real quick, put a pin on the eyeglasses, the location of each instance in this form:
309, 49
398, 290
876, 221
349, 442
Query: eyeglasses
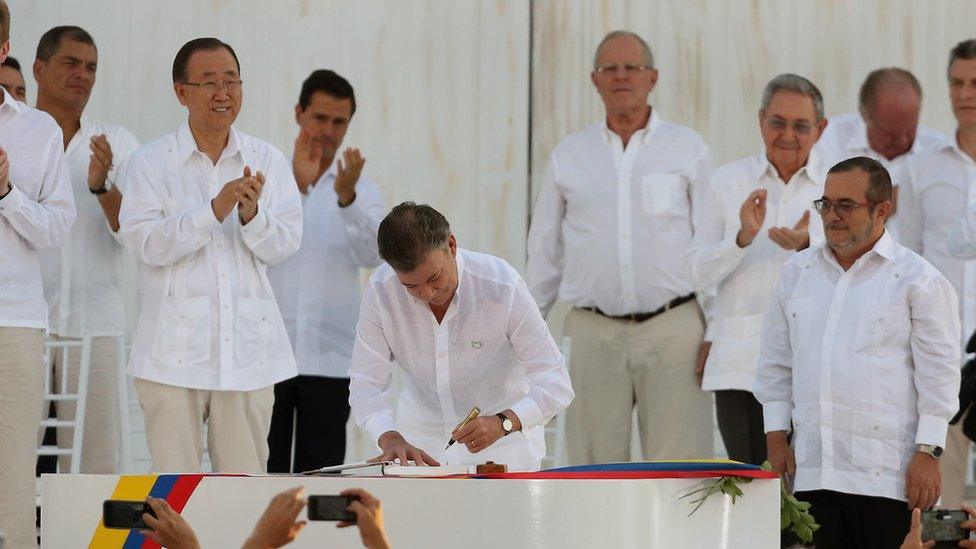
629, 69
843, 208
228, 86
778, 124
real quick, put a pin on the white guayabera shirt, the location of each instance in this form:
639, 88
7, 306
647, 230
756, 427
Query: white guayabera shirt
83, 278
492, 350
744, 277
863, 362
933, 200
35, 214
318, 288
612, 225
208, 317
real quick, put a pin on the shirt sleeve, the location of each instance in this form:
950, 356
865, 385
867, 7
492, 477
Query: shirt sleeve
43, 222
550, 390
935, 342
361, 221
544, 268
962, 237
275, 232
774, 379
371, 373
714, 253
155, 236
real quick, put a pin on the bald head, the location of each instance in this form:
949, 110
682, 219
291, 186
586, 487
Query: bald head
890, 103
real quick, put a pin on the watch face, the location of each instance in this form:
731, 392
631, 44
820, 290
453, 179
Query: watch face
507, 425
937, 451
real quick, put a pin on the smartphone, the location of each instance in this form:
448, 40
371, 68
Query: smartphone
125, 515
944, 525
331, 508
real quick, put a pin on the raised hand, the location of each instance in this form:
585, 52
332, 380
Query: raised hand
305, 160
796, 238
348, 175
100, 162
752, 213
250, 193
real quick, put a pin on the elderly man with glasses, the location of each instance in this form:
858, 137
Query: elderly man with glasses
859, 358
755, 215
609, 232
206, 209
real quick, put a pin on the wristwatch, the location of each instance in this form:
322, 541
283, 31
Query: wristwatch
507, 424
101, 190
930, 449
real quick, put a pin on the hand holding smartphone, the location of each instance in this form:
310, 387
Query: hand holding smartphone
944, 525
331, 508
125, 515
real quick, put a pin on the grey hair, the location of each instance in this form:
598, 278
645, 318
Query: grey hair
796, 84
963, 50
408, 233
648, 56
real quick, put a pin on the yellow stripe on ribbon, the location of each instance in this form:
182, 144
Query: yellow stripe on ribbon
129, 487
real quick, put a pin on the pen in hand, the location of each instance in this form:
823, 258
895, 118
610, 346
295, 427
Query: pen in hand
471, 415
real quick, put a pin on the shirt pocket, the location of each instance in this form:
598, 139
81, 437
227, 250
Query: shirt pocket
182, 335
664, 194
870, 431
877, 330
799, 318
253, 326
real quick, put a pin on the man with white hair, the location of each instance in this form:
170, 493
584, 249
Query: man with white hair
756, 214
609, 234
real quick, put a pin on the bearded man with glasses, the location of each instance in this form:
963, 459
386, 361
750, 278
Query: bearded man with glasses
610, 229
206, 209
859, 357
756, 214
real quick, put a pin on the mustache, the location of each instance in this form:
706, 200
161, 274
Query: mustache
837, 225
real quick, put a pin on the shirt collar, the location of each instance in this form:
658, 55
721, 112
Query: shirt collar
814, 168
885, 247
652, 124
186, 145
460, 273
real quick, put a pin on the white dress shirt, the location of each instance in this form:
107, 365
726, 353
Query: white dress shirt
208, 318
864, 362
318, 288
612, 225
846, 136
83, 278
939, 187
492, 350
744, 277
36, 213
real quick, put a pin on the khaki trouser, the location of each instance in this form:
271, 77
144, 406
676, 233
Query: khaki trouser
616, 366
101, 437
953, 465
21, 401
237, 427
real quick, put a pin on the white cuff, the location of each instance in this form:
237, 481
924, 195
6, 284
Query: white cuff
931, 430
203, 219
528, 413
13, 201
379, 423
777, 416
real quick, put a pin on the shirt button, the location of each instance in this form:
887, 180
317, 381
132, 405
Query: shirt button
875, 427
227, 340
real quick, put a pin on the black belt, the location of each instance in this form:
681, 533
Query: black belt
642, 317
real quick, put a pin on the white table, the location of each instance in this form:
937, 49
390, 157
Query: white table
449, 513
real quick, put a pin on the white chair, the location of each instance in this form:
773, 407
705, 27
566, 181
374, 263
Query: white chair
556, 428
63, 394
